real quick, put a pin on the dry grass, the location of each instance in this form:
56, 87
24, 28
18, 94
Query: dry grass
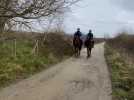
124, 43
119, 51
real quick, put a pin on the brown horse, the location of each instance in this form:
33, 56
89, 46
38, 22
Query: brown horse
77, 43
89, 44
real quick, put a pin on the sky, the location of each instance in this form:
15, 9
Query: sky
102, 16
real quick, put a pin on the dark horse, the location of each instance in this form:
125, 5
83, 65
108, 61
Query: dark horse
89, 44
77, 43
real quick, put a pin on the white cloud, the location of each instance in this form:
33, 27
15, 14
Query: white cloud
100, 15
125, 4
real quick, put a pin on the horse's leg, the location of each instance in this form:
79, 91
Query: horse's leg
79, 51
87, 52
90, 51
75, 51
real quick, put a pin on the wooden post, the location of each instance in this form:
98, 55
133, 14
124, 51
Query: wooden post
12, 41
15, 48
37, 48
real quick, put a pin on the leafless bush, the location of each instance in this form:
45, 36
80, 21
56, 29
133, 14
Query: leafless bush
124, 42
22, 11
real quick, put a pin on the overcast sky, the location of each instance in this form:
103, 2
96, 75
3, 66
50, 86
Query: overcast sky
102, 16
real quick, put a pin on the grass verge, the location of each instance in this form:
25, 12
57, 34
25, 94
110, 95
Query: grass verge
122, 74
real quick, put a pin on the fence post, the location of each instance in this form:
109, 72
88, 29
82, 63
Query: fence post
15, 54
36, 48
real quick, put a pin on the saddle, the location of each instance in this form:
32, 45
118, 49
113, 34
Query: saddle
89, 43
77, 40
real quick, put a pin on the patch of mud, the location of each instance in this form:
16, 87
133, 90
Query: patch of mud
90, 69
77, 86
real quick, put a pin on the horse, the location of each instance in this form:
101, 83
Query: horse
89, 44
77, 43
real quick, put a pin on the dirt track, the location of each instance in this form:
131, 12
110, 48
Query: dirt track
73, 79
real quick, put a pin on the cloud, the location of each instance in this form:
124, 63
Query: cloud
104, 16
125, 4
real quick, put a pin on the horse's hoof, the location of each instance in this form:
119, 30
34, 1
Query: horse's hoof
88, 57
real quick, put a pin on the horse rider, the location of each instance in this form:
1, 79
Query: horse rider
78, 33
90, 35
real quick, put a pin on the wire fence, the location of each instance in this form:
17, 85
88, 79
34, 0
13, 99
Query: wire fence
13, 47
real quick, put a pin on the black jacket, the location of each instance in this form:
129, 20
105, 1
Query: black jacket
90, 36
78, 33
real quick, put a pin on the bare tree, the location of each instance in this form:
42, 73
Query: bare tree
30, 9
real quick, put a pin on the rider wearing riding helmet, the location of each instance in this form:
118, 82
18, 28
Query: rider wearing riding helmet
78, 33
90, 35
